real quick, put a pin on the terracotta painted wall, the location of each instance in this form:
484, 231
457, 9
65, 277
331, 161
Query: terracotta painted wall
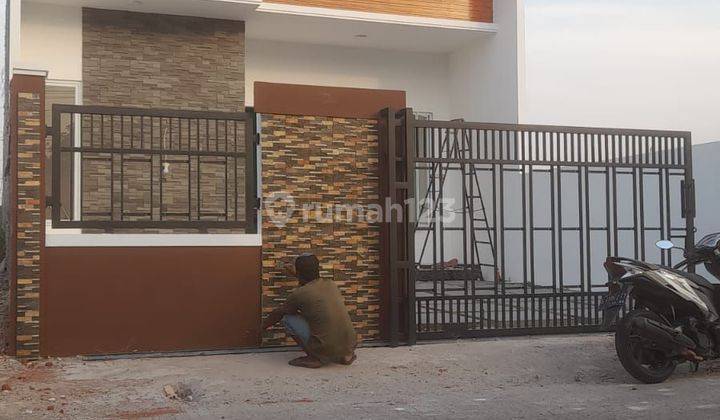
125, 300
472, 10
329, 161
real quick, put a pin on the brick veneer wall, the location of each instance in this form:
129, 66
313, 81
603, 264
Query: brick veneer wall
151, 60
331, 161
28, 224
23, 200
161, 61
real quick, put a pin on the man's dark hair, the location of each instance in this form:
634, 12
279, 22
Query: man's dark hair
307, 267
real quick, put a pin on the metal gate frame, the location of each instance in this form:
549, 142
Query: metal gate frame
527, 150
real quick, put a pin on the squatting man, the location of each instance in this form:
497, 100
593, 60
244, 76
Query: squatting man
315, 316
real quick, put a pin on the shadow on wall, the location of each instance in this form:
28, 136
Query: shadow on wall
706, 171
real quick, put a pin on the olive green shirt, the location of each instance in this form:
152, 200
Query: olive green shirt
332, 336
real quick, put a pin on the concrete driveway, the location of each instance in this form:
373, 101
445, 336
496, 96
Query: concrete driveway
536, 377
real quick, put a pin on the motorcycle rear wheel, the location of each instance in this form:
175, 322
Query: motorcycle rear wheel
644, 364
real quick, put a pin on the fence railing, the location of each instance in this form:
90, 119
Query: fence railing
513, 222
117, 168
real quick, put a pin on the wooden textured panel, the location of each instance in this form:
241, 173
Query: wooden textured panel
325, 101
471, 10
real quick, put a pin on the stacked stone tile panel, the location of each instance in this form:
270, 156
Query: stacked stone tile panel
327, 161
167, 62
29, 224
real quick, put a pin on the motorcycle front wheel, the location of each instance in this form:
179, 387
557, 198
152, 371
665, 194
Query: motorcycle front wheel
645, 364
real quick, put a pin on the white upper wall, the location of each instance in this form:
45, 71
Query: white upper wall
487, 77
51, 39
481, 81
423, 76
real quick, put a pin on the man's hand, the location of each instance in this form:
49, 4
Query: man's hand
277, 315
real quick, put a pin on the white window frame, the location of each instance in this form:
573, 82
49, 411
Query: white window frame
77, 171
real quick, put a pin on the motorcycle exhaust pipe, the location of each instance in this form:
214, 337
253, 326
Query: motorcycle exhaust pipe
663, 336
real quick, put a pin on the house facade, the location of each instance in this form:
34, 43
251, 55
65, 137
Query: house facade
145, 134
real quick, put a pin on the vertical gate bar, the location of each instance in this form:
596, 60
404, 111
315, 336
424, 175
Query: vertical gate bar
392, 178
441, 224
122, 167
616, 225
635, 201
502, 228
525, 216
251, 173
410, 153
689, 204
553, 226
189, 163
162, 175
641, 193
561, 232
152, 170
582, 210
235, 167
588, 232
198, 169
227, 189
668, 216
661, 191
608, 225
496, 225
532, 237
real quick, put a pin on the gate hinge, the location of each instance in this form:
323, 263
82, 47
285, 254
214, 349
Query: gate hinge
258, 202
257, 139
687, 196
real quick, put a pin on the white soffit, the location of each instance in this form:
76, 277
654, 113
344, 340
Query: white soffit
217, 9
313, 25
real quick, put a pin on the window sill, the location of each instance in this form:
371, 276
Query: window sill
55, 238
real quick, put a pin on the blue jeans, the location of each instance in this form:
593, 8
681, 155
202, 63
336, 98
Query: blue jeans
296, 326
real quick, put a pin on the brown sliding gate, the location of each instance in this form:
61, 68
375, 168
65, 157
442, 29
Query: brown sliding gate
505, 228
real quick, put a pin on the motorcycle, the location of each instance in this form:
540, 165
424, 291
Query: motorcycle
674, 316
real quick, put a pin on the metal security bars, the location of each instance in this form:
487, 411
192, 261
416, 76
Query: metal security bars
514, 222
153, 169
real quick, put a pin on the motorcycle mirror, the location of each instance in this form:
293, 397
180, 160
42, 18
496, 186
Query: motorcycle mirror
664, 244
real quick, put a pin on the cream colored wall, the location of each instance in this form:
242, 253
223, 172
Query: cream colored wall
51, 39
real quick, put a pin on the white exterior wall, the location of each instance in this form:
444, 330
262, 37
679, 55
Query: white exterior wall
423, 76
51, 39
706, 172
487, 78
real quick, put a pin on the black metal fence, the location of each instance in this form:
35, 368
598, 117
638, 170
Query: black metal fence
514, 222
153, 169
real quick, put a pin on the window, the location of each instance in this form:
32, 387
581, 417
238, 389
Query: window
68, 93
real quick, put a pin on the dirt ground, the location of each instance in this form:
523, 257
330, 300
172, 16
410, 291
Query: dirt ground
537, 377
